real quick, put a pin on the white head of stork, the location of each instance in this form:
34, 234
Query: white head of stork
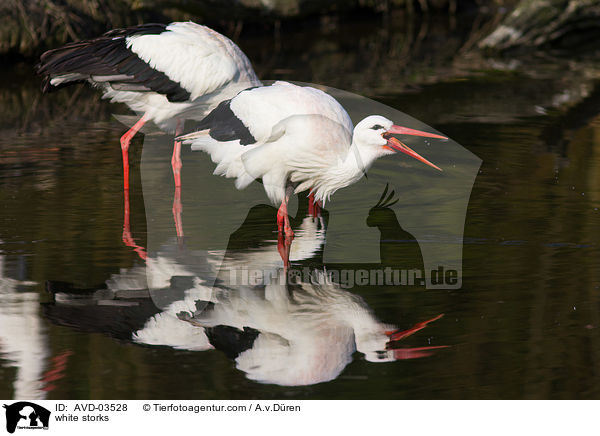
373, 139
295, 139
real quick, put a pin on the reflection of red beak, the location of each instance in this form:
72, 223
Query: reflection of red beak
394, 144
401, 353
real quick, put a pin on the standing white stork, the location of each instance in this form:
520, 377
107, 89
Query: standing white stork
165, 72
295, 139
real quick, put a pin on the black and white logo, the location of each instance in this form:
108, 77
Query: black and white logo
26, 415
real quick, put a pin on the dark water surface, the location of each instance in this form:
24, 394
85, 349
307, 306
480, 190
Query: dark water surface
525, 324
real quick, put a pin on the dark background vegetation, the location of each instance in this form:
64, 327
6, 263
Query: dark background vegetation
30, 26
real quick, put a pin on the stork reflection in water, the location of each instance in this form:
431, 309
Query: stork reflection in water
276, 332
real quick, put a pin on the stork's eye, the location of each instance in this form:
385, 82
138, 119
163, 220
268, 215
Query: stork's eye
377, 127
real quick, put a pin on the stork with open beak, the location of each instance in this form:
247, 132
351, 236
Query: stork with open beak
295, 139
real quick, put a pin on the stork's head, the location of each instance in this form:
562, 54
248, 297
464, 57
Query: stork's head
374, 134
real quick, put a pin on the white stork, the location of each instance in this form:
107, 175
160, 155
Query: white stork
165, 72
295, 139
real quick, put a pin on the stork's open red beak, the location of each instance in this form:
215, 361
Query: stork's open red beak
399, 130
395, 144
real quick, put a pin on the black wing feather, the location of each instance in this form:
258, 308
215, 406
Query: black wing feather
230, 340
108, 55
224, 125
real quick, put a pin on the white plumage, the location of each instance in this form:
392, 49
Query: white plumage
205, 63
294, 136
23, 339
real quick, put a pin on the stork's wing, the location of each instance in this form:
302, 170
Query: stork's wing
107, 59
198, 58
182, 61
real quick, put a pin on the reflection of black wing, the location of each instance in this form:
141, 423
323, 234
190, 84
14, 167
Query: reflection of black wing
230, 340
121, 317
89, 312
107, 59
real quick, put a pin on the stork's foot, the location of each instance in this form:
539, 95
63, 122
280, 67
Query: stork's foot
314, 206
285, 233
284, 243
127, 238
130, 242
289, 233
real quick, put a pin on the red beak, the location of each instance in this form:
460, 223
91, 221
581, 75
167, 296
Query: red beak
399, 130
395, 144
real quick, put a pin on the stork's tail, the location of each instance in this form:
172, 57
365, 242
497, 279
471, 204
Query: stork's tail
54, 67
190, 136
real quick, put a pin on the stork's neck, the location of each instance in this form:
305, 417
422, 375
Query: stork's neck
348, 170
359, 159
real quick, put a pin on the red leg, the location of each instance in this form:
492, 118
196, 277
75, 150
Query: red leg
284, 227
127, 238
283, 246
125, 141
314, 207
59, 364
289, 233
287, 227
176, 159
283, 221
282, 217
401, 334
176, 163
177, 210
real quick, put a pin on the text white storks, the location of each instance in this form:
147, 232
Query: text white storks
166, 73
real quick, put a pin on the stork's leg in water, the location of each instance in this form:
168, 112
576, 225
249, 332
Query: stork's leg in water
176, 163
283, 220
125, 141
176, 158
314, 207
283, 224
127, 238
177, 210
283, 246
